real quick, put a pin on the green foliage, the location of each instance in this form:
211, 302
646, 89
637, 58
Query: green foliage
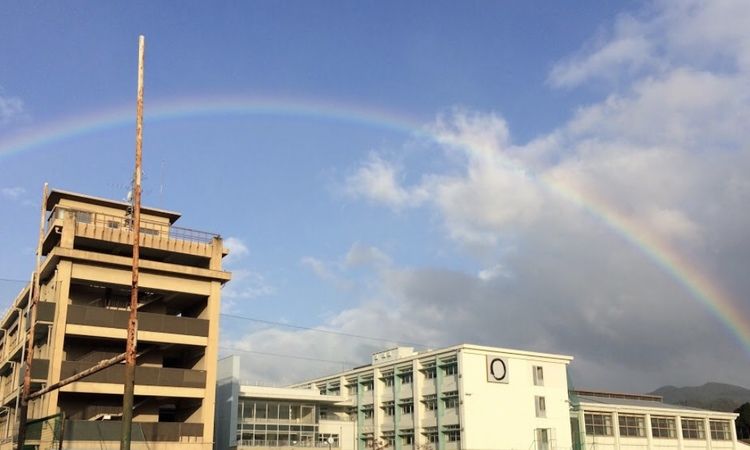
743, 421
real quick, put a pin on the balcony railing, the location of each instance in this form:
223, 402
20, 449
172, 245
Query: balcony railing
114, 318
144, 375
85, 430
122, 224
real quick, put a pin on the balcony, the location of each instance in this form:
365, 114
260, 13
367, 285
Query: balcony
99, 227
85, 430
144, 375
114, 318
39, 370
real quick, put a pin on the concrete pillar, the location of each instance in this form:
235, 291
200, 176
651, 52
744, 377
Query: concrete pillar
217, 249
210, 358
376, 411
616, 428
678, 425
707, 428
649, 432
418, 382
68, 229
56, 354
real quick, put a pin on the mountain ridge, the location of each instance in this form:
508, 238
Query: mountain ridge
710, 395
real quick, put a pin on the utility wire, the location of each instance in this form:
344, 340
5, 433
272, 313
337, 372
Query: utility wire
279, 355
319, 330
11, 280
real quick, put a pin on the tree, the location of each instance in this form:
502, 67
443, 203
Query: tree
743, 421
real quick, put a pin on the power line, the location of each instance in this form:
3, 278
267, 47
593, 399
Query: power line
338, 333
12, 280
279, 355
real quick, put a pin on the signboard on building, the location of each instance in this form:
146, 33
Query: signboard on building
497, 369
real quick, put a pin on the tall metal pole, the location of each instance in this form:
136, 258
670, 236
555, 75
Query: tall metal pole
130, 348
22, 412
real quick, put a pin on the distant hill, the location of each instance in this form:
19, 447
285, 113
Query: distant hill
713, 396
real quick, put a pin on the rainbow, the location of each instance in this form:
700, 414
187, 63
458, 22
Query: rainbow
686, 274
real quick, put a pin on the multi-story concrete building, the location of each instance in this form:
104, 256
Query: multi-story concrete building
82, 319
612, 421
461, 397
258, 416
464, 397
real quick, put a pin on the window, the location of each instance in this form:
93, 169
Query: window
388, 382
663, 427
406, 378
598, 424
720, 430
388, 408
367, 411
451, 369
367, 386
407, 439
351, 389
538, 376
541, 406
450, 399
83, 217
452, 433
430, 373
389, 438
431, 434
632, 426
430, 402
542, 439
149, 231
407, 408
323, 439
693, 429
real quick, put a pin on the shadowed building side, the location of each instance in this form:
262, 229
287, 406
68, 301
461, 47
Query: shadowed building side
82, 319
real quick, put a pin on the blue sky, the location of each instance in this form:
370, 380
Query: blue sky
415, 212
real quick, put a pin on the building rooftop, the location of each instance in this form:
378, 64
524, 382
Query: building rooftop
639, 403
55, 195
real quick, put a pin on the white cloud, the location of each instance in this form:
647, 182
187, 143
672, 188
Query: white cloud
237, 250
490, 273
627, 52
245, 285
13, 193
366, 255
11, 108
379, 180
666, 151
664, 155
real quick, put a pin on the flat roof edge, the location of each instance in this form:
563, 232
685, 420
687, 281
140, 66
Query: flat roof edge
56, 194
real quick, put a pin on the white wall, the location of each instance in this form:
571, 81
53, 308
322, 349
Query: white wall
503, 416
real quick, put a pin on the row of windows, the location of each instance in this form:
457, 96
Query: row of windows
251, 410
389, 408
388, 381
661, 427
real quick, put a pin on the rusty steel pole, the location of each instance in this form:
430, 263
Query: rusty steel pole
131, 346
31, 317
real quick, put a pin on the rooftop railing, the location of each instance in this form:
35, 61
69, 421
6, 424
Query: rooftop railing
124, 224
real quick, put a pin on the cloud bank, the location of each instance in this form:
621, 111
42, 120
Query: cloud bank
666, 147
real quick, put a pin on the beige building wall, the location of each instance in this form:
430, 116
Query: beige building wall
85, 278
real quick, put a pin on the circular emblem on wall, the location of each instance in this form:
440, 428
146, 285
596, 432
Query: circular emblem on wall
498, 369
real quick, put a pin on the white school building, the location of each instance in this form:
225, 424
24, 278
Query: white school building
465, 397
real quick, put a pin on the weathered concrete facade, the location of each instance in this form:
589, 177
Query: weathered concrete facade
82, 319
